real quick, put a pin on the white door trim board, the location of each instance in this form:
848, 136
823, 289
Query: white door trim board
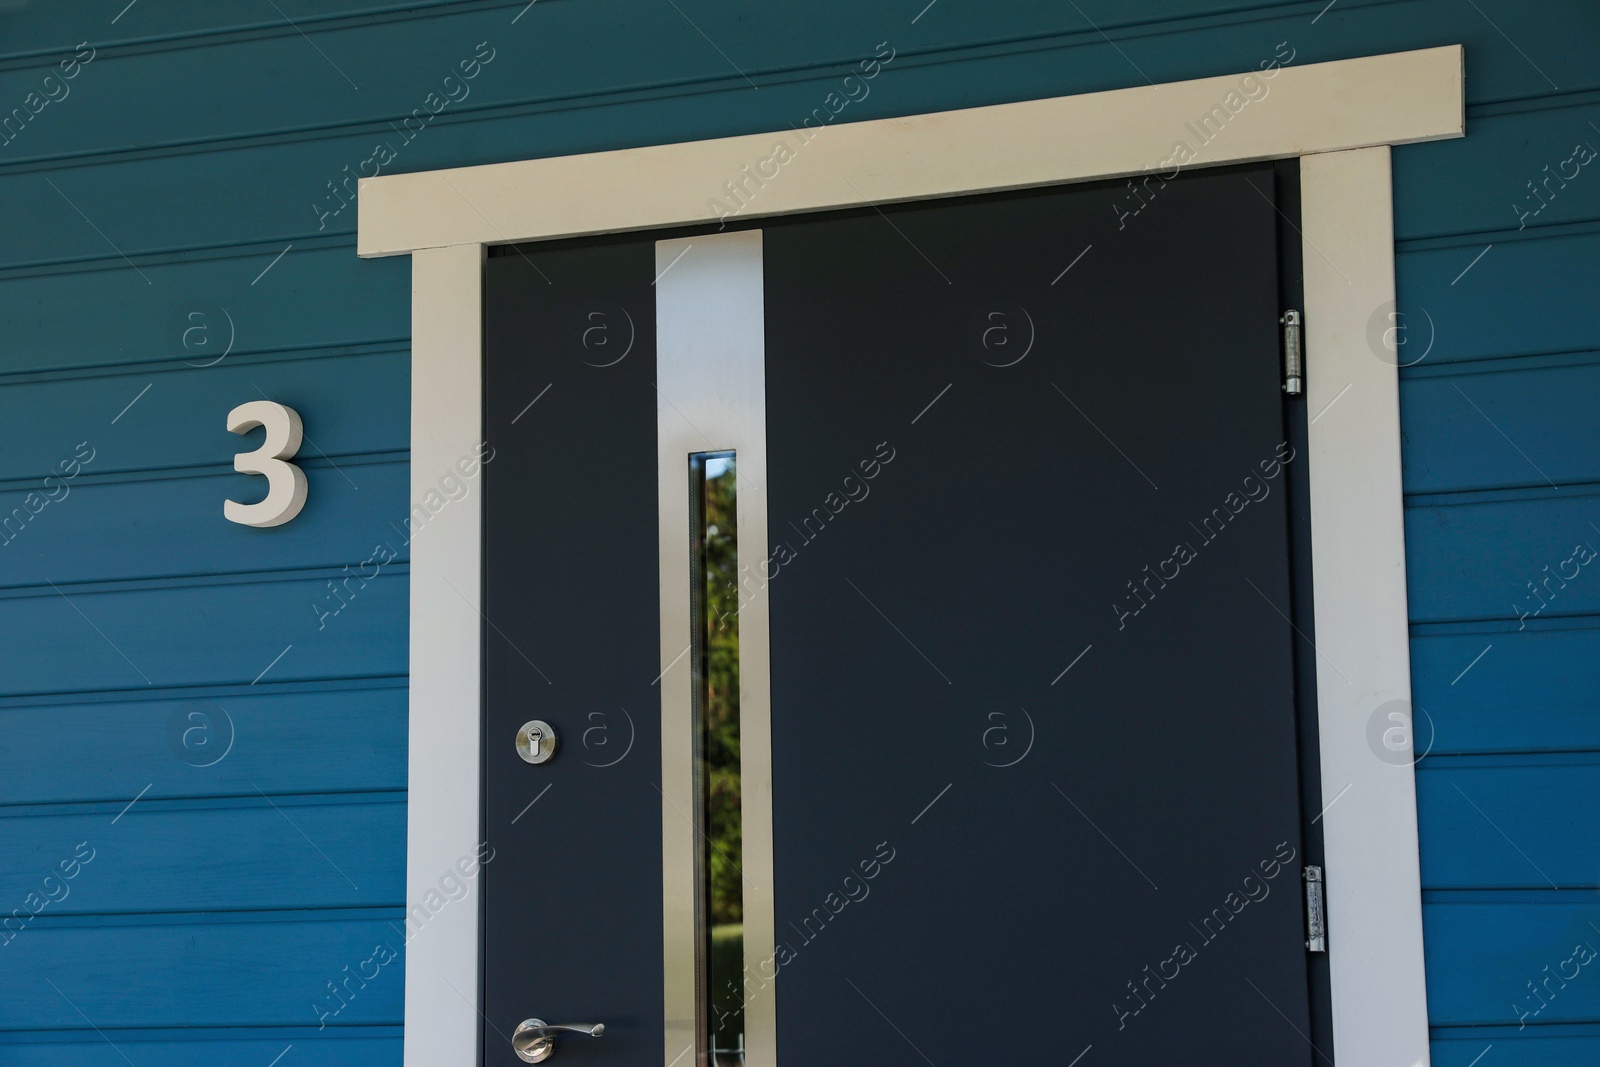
1359, 582
1339, 117
442, 816
1325, 107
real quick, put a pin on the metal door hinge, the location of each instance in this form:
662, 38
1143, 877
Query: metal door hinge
1294, 362
1316, 913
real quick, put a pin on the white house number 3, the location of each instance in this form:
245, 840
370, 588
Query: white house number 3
286, 483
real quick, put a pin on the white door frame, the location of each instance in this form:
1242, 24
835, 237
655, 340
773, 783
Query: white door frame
1339, 118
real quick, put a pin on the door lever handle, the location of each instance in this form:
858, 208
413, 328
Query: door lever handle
534, 1040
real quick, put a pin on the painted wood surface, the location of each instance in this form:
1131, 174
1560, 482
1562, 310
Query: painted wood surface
206, 741
1492, 688
330, 1047
269, 970
200, 142
350, 395
249, 853
164, 634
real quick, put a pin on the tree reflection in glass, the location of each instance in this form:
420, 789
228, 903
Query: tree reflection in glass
716, 700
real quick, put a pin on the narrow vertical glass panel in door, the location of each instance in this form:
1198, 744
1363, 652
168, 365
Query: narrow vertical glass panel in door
720, 965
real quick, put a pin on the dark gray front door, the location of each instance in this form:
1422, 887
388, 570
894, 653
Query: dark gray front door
572, 900
1035, 764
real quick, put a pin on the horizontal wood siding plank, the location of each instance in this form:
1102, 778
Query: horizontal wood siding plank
41, 27
1483, 956
1511, 1048
251, 853
1507, 691
1510, 826
310, 742
175, 526
1460, 429
1504, 559
1490, 170
201, 635
181, 974
190, 310
1523, 296
333, 1047
349, 403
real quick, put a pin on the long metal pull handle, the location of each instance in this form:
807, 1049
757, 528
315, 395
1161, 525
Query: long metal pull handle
534, 1040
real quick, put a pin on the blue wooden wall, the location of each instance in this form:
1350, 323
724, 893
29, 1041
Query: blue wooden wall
146, 201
